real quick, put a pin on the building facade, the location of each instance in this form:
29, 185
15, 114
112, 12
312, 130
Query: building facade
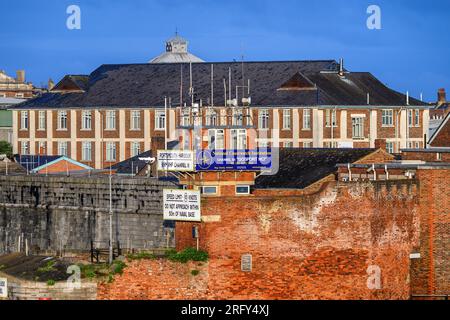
15, 87
119, 111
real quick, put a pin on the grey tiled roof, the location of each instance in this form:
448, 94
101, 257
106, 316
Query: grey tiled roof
300, 168
145, 85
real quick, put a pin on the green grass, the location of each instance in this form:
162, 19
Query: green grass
141, 256
189, 254
51, 282
49, 267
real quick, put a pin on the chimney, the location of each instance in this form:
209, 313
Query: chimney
20, 76
341, 67
442, 96
50, 84
380, 144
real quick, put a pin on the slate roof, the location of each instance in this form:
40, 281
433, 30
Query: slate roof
31, 162
129, 165
299, 168
145, 85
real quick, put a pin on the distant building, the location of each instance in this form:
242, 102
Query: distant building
176, 52
42, 164
439, 111
15, 87
6, 127
117, 111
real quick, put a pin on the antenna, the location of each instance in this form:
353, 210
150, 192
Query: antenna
225, 91
191, 88
212, 85
181, 85
229, 83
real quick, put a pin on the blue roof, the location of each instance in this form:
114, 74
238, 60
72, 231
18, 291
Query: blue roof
35, 163
31, 162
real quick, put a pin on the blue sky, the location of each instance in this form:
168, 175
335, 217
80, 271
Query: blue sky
410, 52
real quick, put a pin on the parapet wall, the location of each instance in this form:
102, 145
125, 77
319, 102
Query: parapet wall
67, 213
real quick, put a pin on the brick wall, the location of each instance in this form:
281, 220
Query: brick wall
311, 246
430, 275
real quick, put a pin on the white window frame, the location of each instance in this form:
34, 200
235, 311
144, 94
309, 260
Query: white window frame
306, 119
86, 120
390, 147
387, 118
242, 186
330, 118
185, 119
63, 148
135, 149
288, 144
410, 118
62, 120
86, 151
135, 119
25, 147
263, 119
110, 123
24, 120
238, 117
111, 151
358, 122
42, 145
210, 193
263, 144
307, 144
42, 120
287, 119
211, 117
238, 139
160, 120
417, 118
216, 139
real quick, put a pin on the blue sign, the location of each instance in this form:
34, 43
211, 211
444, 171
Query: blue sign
233, 160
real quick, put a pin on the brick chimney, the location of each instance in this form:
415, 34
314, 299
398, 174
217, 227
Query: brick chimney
380, 144
442, 96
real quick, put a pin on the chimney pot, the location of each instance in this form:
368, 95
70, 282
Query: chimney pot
442, 96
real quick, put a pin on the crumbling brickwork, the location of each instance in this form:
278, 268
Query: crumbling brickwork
430, 275
312, 246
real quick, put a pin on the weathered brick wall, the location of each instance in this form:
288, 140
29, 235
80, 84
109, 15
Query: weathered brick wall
54, 213
426, 156
430, 275
158, 280
316, 246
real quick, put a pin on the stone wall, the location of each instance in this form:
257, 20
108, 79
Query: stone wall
30, 290
67, 213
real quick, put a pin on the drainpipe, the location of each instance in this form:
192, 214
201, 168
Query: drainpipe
349, 172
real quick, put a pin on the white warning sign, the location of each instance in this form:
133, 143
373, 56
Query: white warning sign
182, 205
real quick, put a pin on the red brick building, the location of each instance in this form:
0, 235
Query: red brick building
117, 111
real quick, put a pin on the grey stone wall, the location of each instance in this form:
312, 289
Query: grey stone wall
66, 213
